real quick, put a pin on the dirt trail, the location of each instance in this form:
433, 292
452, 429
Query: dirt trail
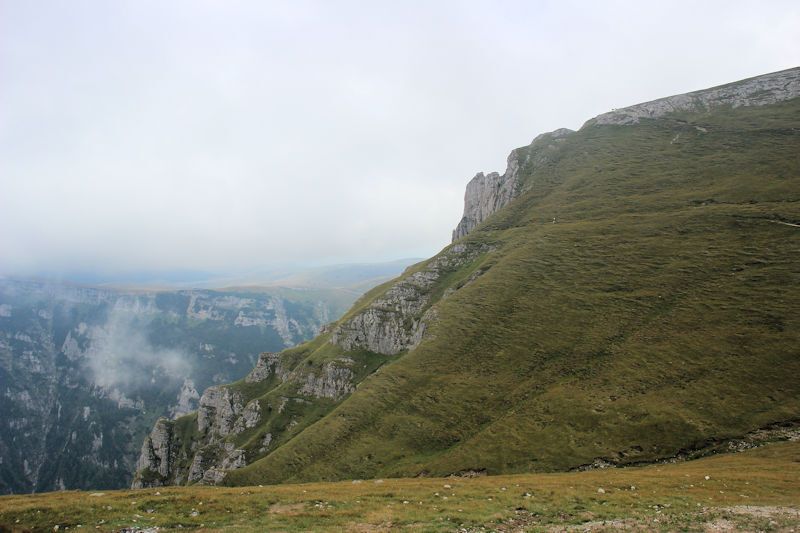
785, 223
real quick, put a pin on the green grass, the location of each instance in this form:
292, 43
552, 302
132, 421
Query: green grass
755, 490
658, 313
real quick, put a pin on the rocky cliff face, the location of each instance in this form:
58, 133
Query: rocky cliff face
488, 193
83, 371
396, 320
334, 380
219, 408
224, 416
485, 194
158, 452
759, 91
268, 364
240, 423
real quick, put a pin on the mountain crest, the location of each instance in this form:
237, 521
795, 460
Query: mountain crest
758, 91
627, 332
488, 193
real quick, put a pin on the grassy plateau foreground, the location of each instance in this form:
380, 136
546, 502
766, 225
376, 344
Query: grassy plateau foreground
757, 490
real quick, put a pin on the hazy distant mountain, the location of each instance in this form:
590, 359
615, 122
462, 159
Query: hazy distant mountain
623, 293
345, 275
85, 371
356, 276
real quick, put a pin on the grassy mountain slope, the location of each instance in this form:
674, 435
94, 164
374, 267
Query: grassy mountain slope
637, 299
657, 313
752, 491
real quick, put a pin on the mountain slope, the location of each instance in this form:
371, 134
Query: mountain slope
85, 371
624, 292
752, 491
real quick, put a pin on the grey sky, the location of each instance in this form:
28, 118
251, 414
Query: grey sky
234, 135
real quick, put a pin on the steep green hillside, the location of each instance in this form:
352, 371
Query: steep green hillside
637, 299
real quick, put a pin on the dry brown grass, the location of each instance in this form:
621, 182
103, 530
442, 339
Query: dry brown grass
758, 490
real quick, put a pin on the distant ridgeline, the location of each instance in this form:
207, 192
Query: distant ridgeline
623, 293
85, 372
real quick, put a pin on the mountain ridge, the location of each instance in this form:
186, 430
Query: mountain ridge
487, 193
559, 327
756, 91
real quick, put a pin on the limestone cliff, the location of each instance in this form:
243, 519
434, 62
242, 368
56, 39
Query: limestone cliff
759, 91
238, 424
488, 193
84, 370
268, 364
396, 321
224, 415
219, 407
157, 457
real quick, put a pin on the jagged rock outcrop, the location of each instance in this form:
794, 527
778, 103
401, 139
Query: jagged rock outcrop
487, 193
268, 364
86, 370
157, 459
762, 90
187, 399
210, 464
334, 380
219, 408
396, 321
223, 415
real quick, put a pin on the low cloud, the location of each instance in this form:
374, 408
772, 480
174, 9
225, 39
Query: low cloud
120, 356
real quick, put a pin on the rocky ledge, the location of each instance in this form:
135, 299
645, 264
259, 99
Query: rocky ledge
157, 458
487, 193
222, 415
397, 320
761, 90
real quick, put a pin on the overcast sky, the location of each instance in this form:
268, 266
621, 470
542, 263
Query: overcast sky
233, 135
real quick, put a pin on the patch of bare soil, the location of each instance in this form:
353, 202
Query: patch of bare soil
290, 509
